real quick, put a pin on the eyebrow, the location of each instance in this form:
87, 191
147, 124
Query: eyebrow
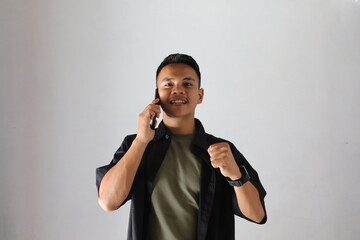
184, 79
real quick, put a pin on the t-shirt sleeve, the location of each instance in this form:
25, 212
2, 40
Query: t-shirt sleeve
254, 179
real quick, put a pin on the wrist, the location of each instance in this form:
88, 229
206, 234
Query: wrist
245, 177
140, 142
236, 175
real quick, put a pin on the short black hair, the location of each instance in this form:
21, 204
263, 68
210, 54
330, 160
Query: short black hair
180, 58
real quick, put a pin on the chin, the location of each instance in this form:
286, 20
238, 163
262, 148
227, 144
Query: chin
179, 115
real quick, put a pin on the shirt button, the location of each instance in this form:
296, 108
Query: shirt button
167, 136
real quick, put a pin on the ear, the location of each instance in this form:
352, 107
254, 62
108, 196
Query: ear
201, 95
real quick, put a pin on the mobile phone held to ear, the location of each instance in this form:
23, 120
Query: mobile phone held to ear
153, 122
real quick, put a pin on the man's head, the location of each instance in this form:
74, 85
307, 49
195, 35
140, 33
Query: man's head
180, 58
178, 85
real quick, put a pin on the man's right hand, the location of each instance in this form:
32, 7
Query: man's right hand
145, 134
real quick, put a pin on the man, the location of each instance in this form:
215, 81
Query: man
183, 183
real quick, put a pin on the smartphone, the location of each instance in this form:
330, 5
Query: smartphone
153, 122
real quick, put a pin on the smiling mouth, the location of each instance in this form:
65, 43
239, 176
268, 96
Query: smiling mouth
178, 101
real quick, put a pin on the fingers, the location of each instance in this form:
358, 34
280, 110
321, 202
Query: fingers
152, 110
221, 157
155, 112
219, 150
156, 101
145, 132
221, 145
219, 154
217, 163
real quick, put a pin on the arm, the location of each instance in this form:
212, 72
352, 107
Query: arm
249, 202
116, 184
247, 196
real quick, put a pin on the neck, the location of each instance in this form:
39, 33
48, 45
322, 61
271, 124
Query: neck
181, 126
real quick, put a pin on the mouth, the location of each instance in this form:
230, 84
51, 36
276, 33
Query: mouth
178, 101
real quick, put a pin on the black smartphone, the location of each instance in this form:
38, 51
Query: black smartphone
153, 122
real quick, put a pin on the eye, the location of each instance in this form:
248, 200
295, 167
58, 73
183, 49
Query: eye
168, 84
188, 84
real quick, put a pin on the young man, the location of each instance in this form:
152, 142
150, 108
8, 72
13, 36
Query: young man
183, 183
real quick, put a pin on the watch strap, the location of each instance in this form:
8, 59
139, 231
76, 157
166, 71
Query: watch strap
239, 182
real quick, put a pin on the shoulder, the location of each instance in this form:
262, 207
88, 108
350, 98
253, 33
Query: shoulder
130, 137
126, 143
211, 139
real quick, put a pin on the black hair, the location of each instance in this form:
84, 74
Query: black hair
180, 58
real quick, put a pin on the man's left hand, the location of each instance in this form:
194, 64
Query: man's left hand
222, 157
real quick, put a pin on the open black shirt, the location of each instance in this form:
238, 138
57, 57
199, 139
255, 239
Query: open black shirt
217, 201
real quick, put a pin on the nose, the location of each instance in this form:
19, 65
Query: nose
177, 89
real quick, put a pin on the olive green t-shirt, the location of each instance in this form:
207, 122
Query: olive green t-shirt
174, 199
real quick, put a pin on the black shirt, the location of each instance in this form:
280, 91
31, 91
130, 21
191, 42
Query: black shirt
217, 201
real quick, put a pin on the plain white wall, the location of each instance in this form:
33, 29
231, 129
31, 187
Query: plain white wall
281, 79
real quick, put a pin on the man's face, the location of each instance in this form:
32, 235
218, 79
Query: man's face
179, 92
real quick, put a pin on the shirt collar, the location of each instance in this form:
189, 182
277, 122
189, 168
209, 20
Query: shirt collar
161, 131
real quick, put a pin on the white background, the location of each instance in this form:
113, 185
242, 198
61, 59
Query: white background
281, 80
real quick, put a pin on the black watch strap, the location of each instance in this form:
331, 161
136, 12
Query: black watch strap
245, 177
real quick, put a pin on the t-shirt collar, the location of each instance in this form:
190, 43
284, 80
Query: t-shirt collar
200, 136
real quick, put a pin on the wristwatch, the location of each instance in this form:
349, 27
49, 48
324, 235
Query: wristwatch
245, 177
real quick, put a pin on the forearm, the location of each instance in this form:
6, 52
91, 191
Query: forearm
116, 184
249, 202
247, 195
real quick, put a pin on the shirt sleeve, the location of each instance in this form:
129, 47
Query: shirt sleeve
101, 171
254, 179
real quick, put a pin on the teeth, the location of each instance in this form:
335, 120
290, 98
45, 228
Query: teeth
178, 101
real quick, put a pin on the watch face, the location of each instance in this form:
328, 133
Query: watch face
243, 170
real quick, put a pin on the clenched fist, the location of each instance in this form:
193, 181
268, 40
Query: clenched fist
221, 157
